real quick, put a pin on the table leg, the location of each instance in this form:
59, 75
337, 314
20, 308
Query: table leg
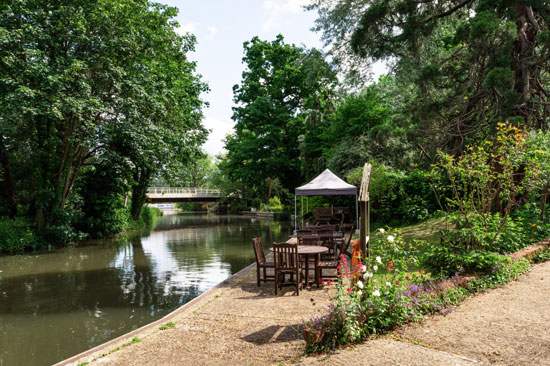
307, 271
317, 258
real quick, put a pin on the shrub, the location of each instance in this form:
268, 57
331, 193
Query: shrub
446, 261
16, 236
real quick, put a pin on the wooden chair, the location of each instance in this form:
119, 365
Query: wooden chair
309, 240
287, 262
261, 264
303, 232
333, 263
348, 241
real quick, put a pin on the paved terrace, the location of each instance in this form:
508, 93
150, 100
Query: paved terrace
238, 323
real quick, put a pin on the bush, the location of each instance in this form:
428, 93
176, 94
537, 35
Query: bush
446, 261
16, 236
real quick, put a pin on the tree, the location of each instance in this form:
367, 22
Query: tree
280, 85
473, 63
78, 78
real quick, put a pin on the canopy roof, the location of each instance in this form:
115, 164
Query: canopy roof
326, 184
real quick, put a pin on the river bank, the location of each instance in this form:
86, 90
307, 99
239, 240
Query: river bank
85, 295
238, 323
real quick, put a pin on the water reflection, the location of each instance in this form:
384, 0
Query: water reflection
57, 304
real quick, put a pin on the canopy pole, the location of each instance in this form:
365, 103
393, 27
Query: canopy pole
295, 213
302, 212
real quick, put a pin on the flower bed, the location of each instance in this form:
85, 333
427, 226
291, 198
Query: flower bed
383, 293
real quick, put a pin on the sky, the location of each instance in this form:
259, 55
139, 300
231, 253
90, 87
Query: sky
221, 27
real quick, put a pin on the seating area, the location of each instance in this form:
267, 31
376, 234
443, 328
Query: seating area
313, 252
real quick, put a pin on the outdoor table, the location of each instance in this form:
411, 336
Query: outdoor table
309, 251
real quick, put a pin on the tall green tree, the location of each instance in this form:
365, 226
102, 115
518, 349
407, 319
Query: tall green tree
472, 62
281, 85
80, 77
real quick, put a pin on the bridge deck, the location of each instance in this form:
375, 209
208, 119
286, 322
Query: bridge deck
181, 194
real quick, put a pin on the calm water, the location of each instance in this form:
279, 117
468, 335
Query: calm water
57, 304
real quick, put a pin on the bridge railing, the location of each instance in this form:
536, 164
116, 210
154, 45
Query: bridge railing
203, 192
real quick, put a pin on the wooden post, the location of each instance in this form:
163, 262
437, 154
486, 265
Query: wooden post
364, 202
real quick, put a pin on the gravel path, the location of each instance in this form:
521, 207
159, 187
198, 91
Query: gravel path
243, 325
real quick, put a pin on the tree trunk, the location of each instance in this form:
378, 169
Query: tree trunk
139, 191
9, 183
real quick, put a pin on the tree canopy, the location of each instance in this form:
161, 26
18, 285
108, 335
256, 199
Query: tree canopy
473, 63
82, 81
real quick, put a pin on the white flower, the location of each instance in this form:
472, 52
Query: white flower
381, 231
388, 284
359, 293
379, 260
375, 268
376, 293
367, 275
362, 268
391, 238
359, 284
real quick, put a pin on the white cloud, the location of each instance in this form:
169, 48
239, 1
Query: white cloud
276, 11
212, 31
218, 130
187, 28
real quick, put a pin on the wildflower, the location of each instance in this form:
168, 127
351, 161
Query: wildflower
329, 282
359, 293
389, 269
348, 289
388, 284
359, 284
391, 238
376, 293
375, 268
407, 277
379, 260
381, 231
390, 264
362, 268
367, 275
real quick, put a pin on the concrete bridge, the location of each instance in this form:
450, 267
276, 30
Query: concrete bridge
181, 194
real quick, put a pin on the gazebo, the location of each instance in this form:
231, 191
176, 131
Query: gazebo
326, 184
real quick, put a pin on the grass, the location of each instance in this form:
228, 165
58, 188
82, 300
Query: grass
167, 326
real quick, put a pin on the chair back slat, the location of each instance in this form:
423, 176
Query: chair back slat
286, 256
302, 232
309, 240
258, 250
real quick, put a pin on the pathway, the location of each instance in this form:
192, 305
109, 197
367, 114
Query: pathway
239, 324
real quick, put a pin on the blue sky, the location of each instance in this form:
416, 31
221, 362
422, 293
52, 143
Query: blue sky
221, 28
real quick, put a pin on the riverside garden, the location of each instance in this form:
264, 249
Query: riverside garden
94, 111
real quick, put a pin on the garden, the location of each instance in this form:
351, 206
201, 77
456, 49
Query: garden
494, 197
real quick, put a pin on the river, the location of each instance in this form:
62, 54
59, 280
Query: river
57, 304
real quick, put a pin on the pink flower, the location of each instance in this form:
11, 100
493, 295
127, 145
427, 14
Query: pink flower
348, 289
390, 263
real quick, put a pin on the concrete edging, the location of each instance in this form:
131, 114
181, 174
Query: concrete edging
107, 346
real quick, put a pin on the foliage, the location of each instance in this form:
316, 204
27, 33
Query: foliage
499, 276
82, 79
275, 204
280, 84
446, 261
382, 294
486, 184
542, 256
467, 65
397, 197
16, 236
